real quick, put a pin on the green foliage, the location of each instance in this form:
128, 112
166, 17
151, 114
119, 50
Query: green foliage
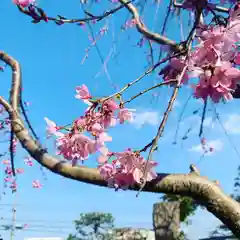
93, 226
187, 206
72, 237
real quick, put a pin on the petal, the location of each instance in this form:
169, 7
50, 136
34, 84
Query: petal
103, 150
102, 159
50, 123
232, 73
137, 175
104, 137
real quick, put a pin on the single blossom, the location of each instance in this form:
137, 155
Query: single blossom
6, 162
19, 170
82, 93
125, 115
28, 161
23, 3
13, 186
110, 105
51, 128
36, 184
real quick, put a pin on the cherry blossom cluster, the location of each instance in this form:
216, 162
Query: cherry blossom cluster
214, 61
10, 180
88, 135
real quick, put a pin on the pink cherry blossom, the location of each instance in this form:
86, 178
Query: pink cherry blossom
8, 179
8, 170
127, 169
36, 184
77, 146
88, 135
23, 3
217, 82
173, 70
6, 162
102, 159
28, 161
108, 120
104, 137
14, 145
237, 59
51, 128
19, 170
13, 186
25, 226
110, 105
82, 92
125, 115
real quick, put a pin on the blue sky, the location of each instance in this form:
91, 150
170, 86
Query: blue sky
51, 58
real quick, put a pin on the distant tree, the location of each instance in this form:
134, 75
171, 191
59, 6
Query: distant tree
93, 226
72, 237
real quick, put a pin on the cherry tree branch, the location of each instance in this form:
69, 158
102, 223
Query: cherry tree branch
204, 191
146, 32
61, 20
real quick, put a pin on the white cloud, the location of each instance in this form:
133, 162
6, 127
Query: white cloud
146, 118
232, 124
196, 121
208, 122
217, 146
196, 148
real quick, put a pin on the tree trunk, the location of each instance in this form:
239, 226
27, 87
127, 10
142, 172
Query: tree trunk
166, 220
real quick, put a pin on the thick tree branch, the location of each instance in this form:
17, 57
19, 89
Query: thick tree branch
200, 188
146, 32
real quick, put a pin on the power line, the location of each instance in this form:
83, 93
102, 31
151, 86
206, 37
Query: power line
38, 220
41, 230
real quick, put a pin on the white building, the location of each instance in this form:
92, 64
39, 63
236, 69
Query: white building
42, 238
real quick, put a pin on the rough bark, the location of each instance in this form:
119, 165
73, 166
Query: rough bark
166, 220
200, 188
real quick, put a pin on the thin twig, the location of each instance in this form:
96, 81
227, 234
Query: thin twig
180, 117
162, 125
11, 148
225, 132
203, 118
150, 70
165, 25
151, 88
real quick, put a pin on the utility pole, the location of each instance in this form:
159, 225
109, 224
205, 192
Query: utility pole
14, 211
13, 223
